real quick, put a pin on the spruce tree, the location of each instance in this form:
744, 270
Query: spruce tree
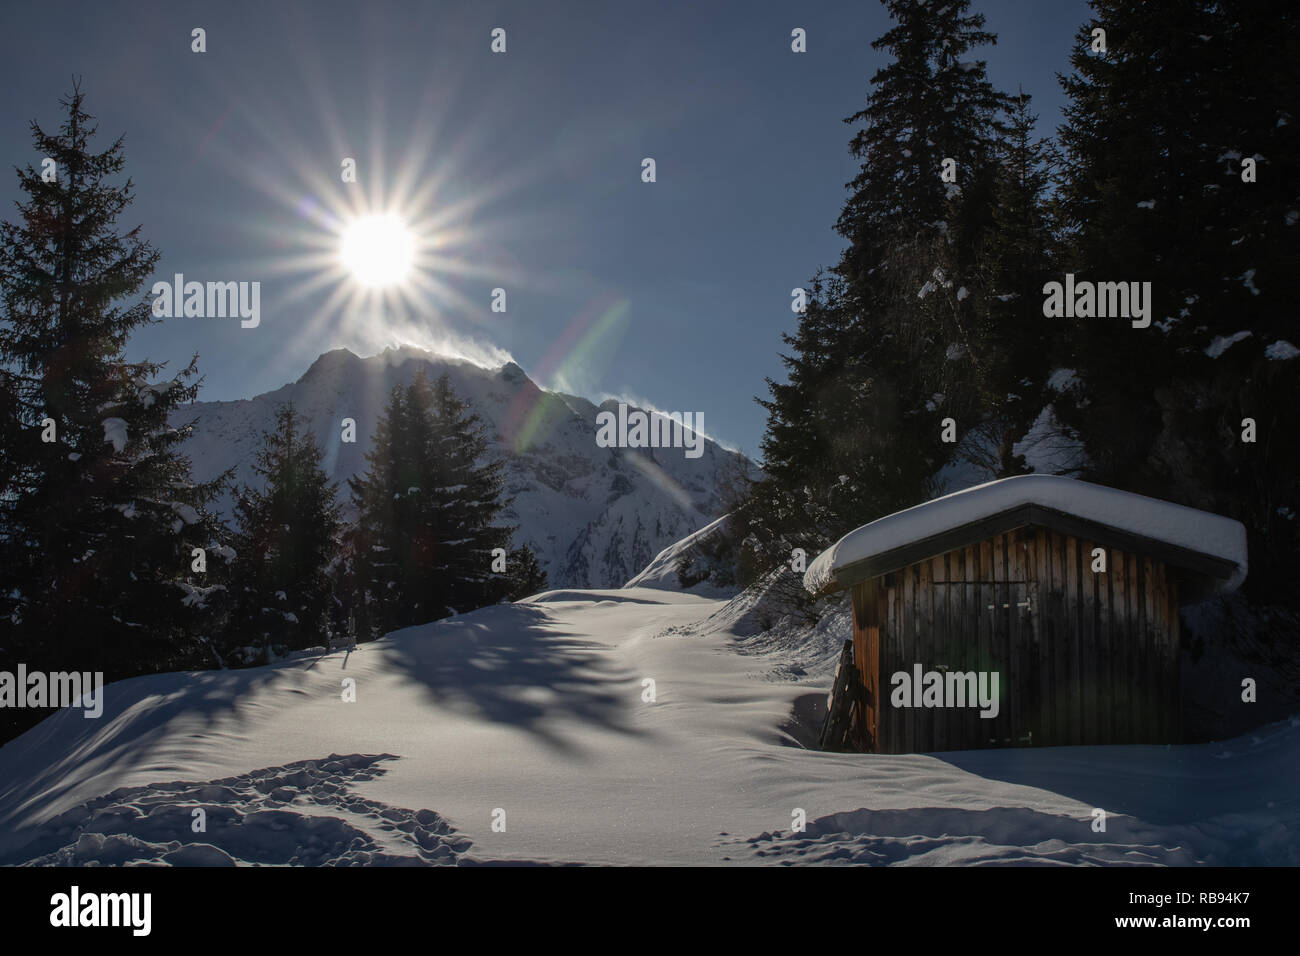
427, 507
524, 574
1159, 127
287, 538
374, 543
99, 518
469, 492
874, 369
1007, 344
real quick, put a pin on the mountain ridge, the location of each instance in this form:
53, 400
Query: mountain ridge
593, 516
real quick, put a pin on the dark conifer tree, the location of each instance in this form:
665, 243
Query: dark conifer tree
99, 517
469, 493
426, 505
913, 234
856, 431
380, 534
286, 540
1159, 128
1008, 345
524, 574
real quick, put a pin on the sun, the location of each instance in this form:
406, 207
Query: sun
399, 258
377, 251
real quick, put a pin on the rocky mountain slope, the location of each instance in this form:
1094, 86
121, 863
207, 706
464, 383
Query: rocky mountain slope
594, 516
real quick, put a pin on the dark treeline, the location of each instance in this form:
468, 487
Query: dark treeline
1176, 165
112, 558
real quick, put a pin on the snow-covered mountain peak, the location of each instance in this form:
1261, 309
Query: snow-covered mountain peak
594, 516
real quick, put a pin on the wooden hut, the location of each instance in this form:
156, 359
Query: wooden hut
1031, 611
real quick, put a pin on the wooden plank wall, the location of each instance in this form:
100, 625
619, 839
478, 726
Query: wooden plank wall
1083, 657
868, 599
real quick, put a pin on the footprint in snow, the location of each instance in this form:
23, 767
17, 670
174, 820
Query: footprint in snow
301, 814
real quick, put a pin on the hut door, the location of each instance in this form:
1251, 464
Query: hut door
1008, 610
985, 626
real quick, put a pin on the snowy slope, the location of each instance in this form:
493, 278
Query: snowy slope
662, 571
594, 516
538, 711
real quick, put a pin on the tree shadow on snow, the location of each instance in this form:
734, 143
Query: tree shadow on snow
509, 664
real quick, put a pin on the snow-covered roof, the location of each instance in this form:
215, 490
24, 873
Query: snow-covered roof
1187, 528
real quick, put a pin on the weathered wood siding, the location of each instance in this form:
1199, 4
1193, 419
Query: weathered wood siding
1083, 657
868, 600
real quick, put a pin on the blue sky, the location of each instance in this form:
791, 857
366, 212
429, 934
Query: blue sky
526, 165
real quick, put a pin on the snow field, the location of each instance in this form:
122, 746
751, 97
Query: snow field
536, 709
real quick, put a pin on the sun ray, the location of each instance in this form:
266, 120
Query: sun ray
432, 174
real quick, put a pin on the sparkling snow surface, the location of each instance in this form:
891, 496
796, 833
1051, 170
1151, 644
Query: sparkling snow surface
1161, 520
538, 710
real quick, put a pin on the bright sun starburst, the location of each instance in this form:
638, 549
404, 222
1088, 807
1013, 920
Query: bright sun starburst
377, 250
400, 253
